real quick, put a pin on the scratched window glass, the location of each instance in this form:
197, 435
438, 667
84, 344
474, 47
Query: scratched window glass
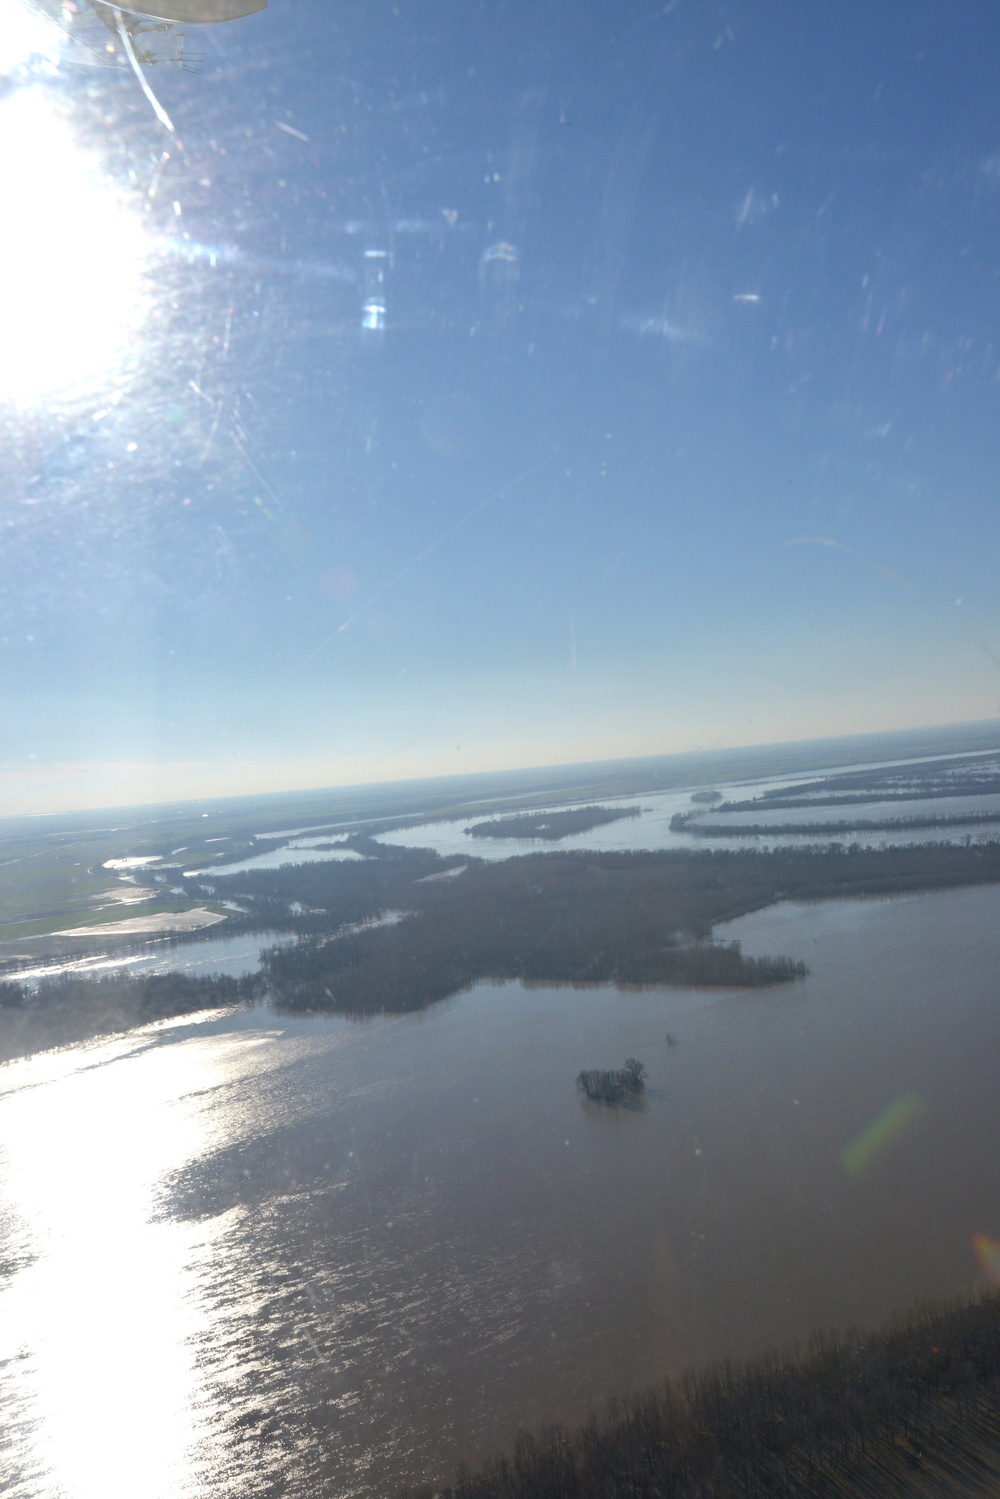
499, 748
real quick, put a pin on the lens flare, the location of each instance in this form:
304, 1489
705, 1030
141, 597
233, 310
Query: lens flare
71, 258
883, 1132
987, 1252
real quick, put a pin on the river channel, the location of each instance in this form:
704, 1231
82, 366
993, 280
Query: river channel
247, 1255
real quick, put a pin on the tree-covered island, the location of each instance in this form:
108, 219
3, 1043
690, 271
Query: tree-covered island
573, 917
540, 918
550, 825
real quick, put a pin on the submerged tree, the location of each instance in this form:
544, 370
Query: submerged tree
603, 1085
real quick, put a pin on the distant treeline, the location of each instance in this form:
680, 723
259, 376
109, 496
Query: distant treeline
70, 1008
551, 825
914, 1408
774, 802
977, 775
684, 822
612, 1085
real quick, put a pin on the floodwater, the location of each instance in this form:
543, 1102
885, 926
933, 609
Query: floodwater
245, 1255
235, 956
301, 851
652, 830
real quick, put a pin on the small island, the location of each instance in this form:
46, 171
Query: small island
550, 825
613, 1086
706, 798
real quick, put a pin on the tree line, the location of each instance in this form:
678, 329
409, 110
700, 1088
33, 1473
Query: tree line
861, 1414
685, 822
406, 967
69, 1008
978, 776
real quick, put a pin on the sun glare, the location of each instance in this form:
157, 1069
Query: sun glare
71, 258
24, 34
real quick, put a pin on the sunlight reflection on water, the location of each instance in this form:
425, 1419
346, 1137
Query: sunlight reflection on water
102, 1313
233, 956
97, 1319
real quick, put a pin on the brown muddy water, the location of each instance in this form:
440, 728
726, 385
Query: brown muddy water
246, 1255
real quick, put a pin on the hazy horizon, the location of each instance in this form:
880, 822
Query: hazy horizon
195, 785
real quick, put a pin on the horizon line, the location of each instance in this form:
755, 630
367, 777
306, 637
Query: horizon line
704, 753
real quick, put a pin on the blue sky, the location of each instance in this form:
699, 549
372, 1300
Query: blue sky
681, 429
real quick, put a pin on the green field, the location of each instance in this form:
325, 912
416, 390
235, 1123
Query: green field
54, 881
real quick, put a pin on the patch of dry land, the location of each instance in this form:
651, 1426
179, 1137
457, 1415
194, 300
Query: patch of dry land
148, 926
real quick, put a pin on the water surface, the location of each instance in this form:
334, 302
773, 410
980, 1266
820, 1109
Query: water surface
652, 830
246, 1255
300, 851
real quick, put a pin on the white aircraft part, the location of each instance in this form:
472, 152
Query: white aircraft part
195, 12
